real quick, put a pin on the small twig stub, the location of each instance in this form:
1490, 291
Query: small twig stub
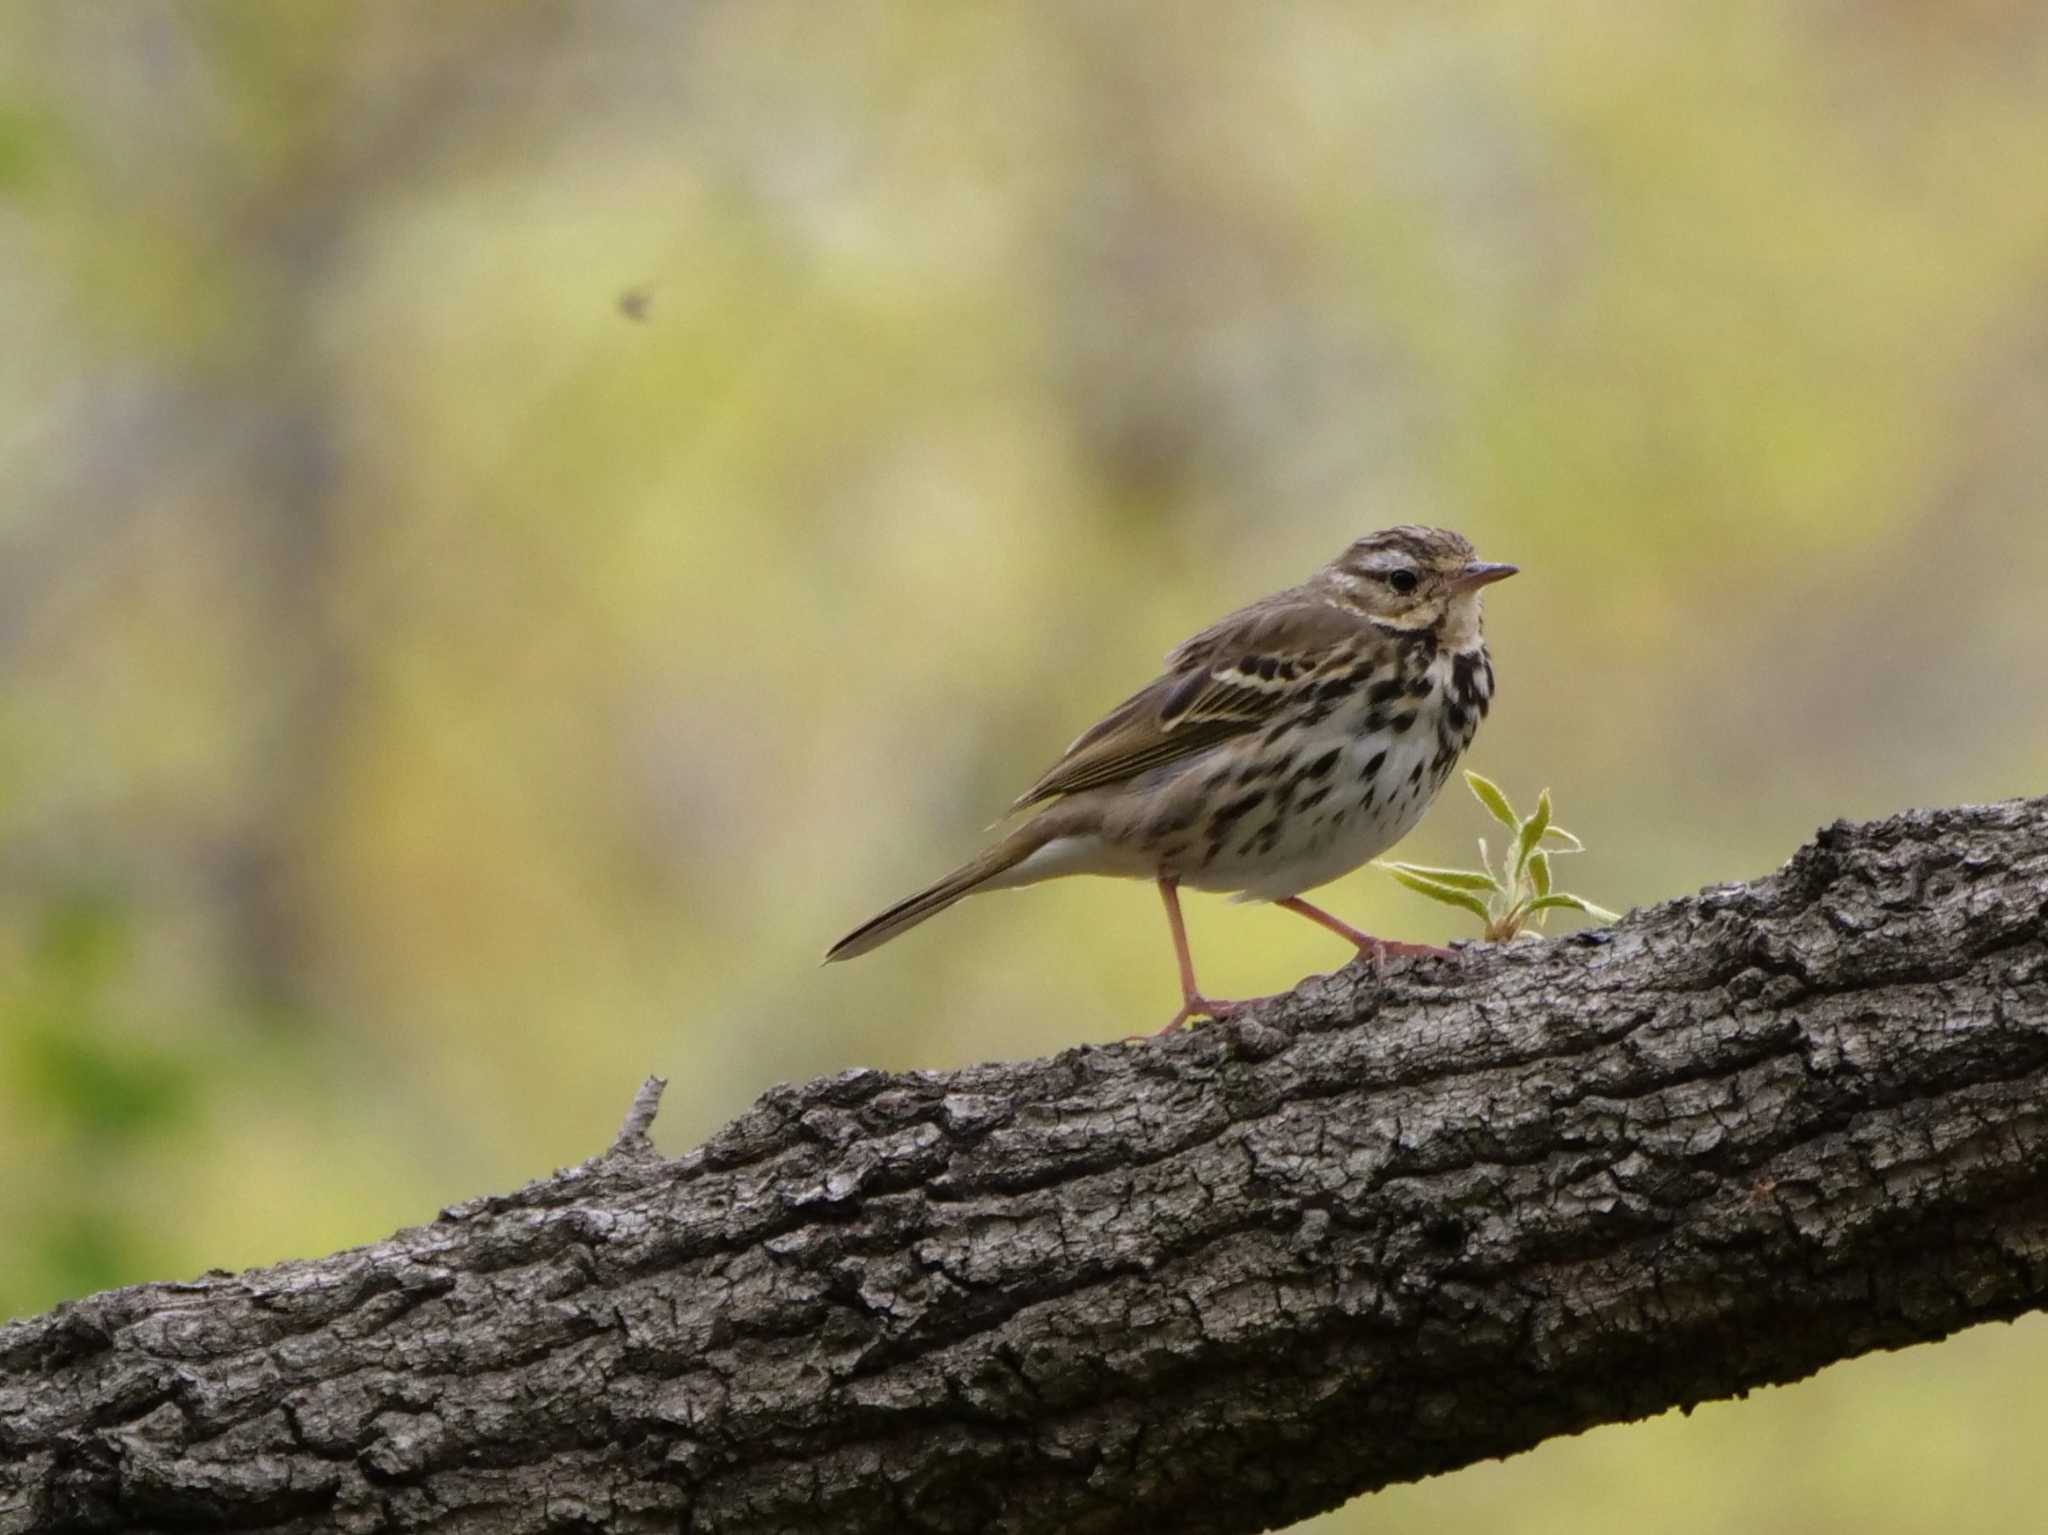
633, 1134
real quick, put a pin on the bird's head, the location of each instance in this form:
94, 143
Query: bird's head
1415, 578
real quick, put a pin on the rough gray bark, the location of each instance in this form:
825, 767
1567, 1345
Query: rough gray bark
1211, 1284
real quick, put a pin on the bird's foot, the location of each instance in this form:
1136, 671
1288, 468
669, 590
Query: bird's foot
1380, 950
1202, 1007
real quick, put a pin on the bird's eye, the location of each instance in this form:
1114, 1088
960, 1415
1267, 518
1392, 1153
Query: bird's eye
1402, 581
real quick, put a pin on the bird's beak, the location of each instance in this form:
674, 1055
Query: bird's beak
1480, 573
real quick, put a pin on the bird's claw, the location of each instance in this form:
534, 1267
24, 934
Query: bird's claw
1196, 1007
1379, 950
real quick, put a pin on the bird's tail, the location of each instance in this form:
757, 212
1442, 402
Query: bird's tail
976, 874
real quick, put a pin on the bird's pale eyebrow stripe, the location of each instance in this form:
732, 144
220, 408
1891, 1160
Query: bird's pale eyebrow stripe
1400, 543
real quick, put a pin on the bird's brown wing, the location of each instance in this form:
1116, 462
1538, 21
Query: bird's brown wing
1233, 678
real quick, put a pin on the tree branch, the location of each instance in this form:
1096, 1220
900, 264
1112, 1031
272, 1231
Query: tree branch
1377, 1230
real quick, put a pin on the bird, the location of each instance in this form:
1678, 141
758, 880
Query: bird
1281, 748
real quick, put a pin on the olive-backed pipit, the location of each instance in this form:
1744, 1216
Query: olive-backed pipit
1281, 748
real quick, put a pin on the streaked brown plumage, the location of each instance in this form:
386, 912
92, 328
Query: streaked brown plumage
1281, 748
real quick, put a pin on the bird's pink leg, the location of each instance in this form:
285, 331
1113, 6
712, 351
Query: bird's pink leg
1378, 948
1192, 1002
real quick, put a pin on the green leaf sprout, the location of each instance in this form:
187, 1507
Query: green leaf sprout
1517, 896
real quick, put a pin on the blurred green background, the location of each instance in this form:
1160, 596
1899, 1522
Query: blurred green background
521, 524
